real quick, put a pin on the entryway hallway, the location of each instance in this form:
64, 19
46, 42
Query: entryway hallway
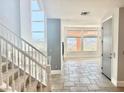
82, 75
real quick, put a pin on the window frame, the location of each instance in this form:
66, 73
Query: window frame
81, 40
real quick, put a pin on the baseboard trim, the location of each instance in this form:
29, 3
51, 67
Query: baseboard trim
55, 71
120, 84
117, 83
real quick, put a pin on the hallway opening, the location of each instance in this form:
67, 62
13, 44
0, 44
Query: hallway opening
82, 42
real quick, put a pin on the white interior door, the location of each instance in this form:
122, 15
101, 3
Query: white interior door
107, 48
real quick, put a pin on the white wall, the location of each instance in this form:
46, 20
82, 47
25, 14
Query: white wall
114, 64
16, 15
25, 16
121, 47
10, 14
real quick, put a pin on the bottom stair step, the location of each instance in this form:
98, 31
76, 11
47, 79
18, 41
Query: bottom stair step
4, 89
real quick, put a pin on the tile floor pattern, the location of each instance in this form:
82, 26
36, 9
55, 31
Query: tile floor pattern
82, 76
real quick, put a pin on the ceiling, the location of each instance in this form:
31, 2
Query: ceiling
71, 9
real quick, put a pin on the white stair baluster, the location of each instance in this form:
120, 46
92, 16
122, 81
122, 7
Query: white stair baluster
13, 81
1, 77
7, 77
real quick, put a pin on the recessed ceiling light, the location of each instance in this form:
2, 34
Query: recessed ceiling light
84, 13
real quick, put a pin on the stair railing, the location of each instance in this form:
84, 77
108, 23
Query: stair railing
23, 61
23, 45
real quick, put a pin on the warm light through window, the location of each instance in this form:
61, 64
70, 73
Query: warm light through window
82, 40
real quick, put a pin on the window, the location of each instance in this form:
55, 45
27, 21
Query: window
35, 5
89, 43
38, 26
73, 44
37, 16
81, 40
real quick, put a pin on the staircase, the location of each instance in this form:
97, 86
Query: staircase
23, 68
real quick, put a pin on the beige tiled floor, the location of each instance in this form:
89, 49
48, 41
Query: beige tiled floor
82, 76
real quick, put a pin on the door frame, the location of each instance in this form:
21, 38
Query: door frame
102, 46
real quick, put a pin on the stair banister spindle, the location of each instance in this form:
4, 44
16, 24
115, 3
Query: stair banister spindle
48, 70
13, 82
17, 56
18, 59
39, 58
24, 58
1, 78
3, 48
28, 50
14, 55
41, 77
46, 61
32, 52
25, 46
35, 55
30, 72
7, 78
29, 66
23, 67
24, 61
35, 71
42, 61
32, 68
